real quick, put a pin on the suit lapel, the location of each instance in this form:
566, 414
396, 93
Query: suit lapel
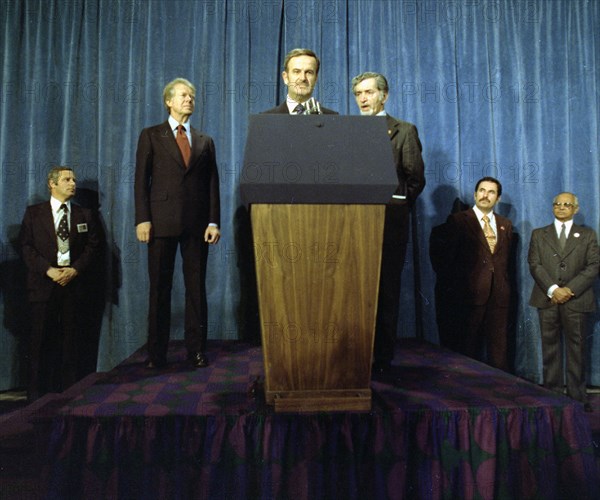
196, 147
475, 227
551, 239
168, 142
46, 220
75, 220
500, 232
392, 126
572, 240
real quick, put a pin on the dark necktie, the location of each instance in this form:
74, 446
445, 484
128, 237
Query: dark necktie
63, 225
299, 109
562, 239
184, 145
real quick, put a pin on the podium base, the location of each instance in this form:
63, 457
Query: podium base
325, 400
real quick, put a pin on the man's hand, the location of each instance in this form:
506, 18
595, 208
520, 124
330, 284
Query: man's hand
63, 275
212, 234
562, 295
143, 231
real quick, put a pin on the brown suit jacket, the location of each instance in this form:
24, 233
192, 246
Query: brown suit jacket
472, 268
39, 247
174, 198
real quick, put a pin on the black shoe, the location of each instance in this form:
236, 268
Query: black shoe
198, 359
587, 408
155, 364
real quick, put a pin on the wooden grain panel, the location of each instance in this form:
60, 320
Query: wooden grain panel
318, 277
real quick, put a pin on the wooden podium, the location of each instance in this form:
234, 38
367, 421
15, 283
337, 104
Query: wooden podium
317, 223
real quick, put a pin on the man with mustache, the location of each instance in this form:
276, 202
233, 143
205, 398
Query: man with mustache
477, 254
300, 73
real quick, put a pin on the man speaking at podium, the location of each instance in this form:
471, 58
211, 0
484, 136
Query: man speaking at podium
371, 92
300, 73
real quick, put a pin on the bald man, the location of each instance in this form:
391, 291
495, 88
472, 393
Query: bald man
564, 261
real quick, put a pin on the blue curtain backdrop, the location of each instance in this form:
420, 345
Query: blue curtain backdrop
506, 88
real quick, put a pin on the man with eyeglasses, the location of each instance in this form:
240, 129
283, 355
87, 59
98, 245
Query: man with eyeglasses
564, 262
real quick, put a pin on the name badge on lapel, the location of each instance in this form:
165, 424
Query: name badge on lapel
82, 228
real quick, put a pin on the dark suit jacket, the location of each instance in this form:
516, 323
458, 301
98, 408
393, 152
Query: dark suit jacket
283, 109
473, 269
175, 198
407, 157
37, 241
575, 267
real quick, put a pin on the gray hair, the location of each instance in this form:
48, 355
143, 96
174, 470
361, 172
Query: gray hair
380, 80
54, 174
575, 199
169, 90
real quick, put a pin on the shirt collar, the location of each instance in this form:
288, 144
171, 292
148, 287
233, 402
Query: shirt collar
174, 124
291, 104
480, 214
558, 225
55, 204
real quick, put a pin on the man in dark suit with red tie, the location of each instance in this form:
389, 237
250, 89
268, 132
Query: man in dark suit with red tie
478, 247
371, 92
300, 73
563, 260
177, 205
59, 241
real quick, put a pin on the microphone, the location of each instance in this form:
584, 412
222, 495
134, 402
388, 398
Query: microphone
312, 107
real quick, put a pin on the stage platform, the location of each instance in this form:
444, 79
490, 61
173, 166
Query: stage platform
441, 426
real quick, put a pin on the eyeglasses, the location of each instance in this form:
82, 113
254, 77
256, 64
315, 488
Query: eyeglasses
566, 205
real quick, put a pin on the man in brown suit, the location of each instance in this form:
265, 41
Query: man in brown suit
177, 204
478, 255
563, 260
59, 241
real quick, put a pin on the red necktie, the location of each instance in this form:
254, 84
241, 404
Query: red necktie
184, 145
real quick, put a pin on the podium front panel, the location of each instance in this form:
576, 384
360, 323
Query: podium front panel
318, 277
